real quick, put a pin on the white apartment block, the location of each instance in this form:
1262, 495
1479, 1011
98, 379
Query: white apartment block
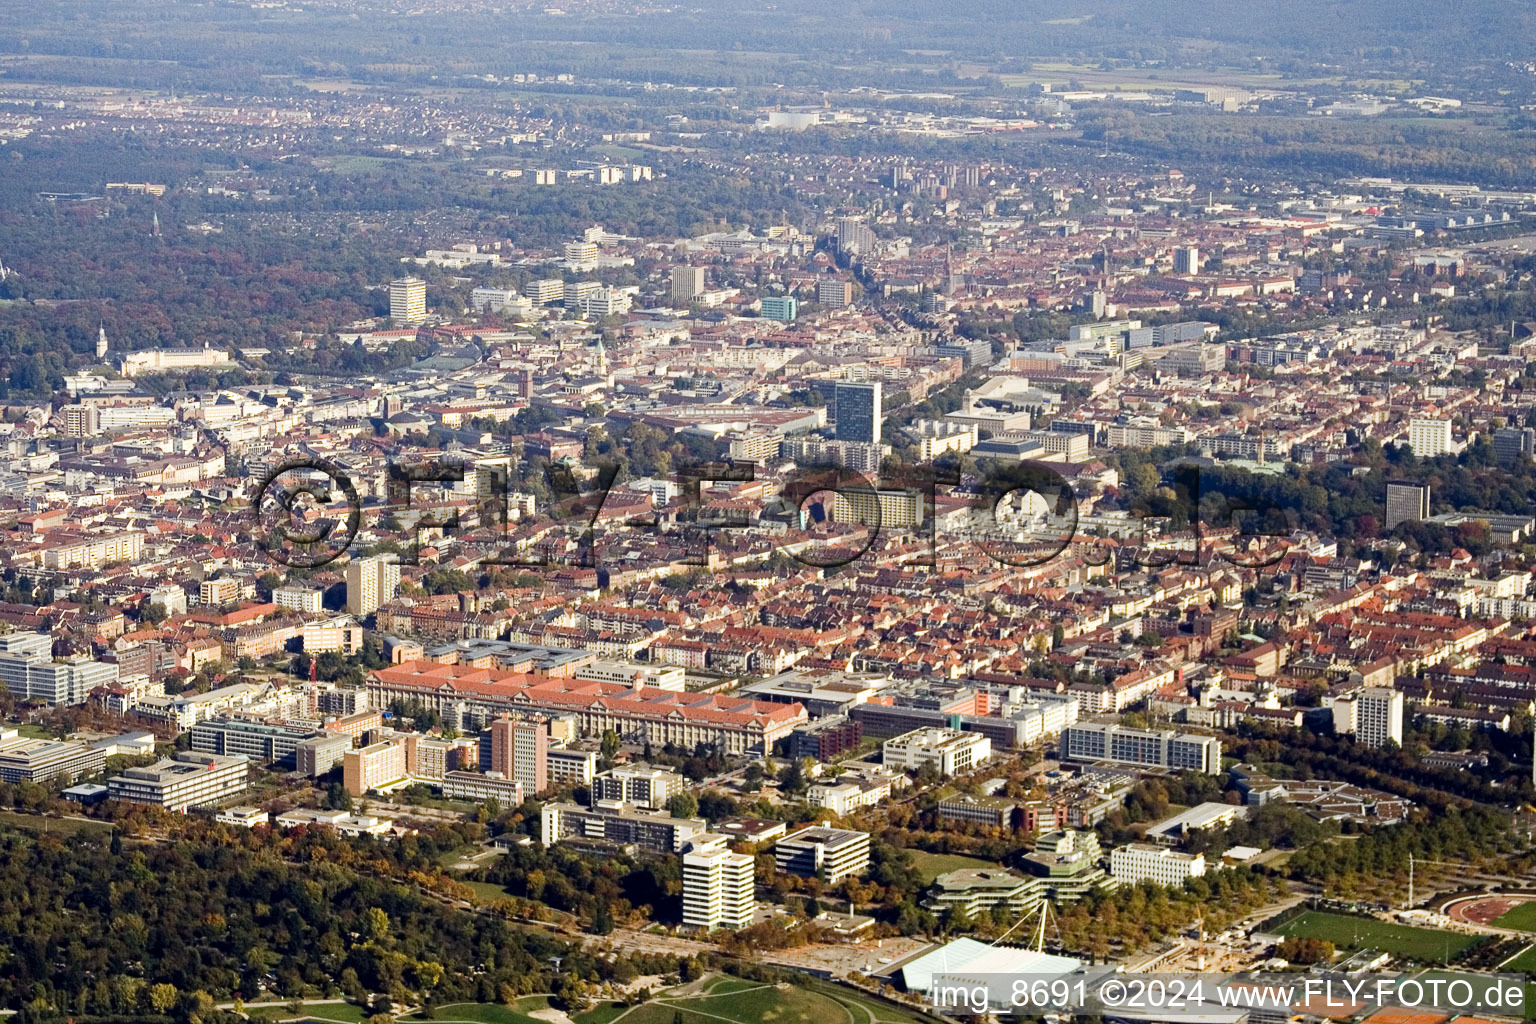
371, 582
1143, 862
95, 551
1379, 716
718, 885
1430, 437
951, 751
299, 598
408, 300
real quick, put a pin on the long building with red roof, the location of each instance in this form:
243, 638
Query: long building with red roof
468, 697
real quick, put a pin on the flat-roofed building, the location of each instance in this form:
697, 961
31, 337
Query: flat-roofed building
262, 742
970, 890
320, 753
642, 785
719, 888
243, 817
1163, 748
375, 765
819, 691
618, 825
39, 760
568, 767
1144, 862
483, 786
190, 779
831, 854
950, 751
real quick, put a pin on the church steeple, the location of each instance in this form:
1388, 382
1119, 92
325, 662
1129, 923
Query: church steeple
101, 341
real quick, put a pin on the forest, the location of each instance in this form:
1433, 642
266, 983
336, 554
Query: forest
122, 927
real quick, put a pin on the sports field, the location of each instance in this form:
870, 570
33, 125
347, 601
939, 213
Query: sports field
1521, 917
1346, 932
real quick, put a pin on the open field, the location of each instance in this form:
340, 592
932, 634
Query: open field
1348, 932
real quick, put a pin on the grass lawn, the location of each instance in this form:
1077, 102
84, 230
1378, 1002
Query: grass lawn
58, 826
1346, 932
733, 1000
348, 1013
932, 865
878, 1011
602, 1013
1521, 918
528, 1004
1525, 963
478, 1013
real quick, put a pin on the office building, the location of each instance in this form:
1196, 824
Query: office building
1164, 748
618, 825
1186, 260
189, 779
566, 767
243, 817
549, 289
577, 292
224, 590
1510, 443
687, 282
858, 412
779, 307
320, 753
408, 300
378, 764
969, 891
1067, 863
831, 854
1145, 862
261, 742
602, 302
646, 787
483, 786
834, 293
371, 582
1379, 716
28, 671
1430, 437
718, 885
825, 738
1407, 503
37, 760
852, 790
950, 751
581, 255
519, 748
